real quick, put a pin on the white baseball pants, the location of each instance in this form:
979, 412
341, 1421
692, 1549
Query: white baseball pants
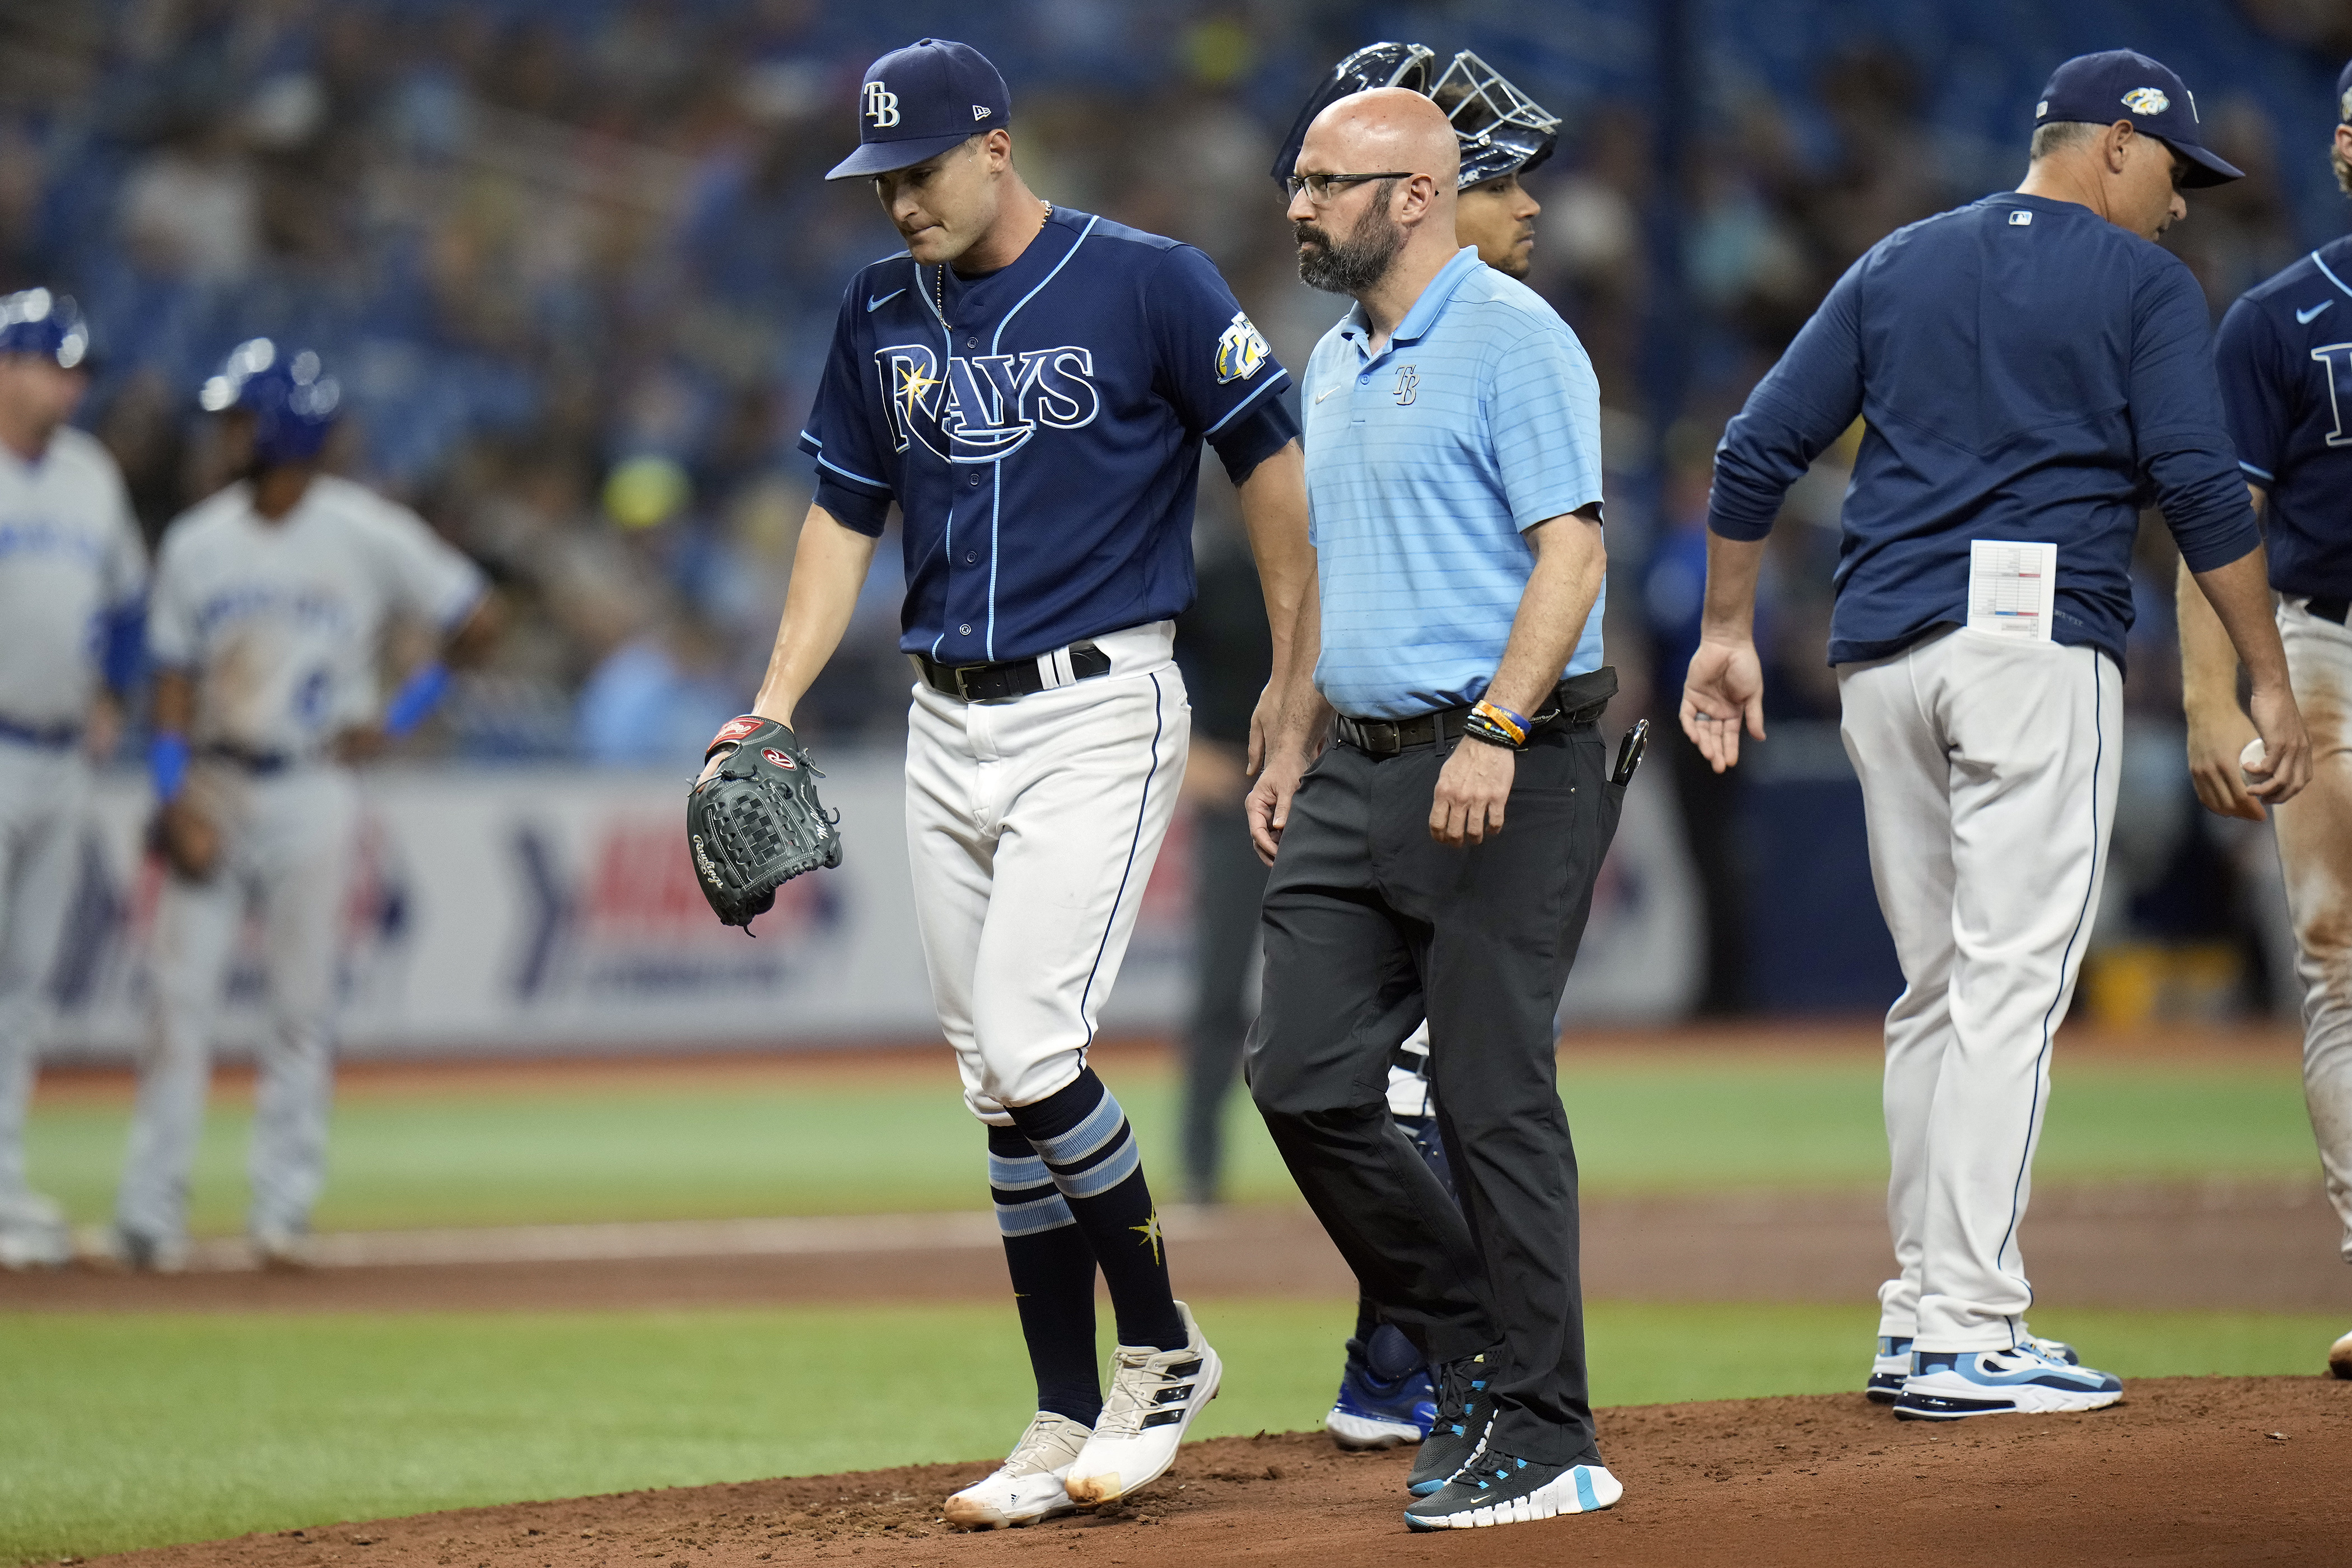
1031, 827
287, 843
2315, 843
41, 791
1989, 773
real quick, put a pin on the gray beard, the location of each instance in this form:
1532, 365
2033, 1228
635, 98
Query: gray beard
1357, 265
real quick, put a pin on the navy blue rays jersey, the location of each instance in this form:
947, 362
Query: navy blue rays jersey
2284, 356
1040, 428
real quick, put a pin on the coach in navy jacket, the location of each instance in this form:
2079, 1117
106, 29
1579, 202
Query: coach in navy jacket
2031, 370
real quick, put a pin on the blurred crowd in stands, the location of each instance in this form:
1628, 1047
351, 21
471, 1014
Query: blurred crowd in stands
576, 266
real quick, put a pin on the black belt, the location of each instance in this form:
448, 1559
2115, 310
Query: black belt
1013, 677
1576, 701
48, 737
259, 763
2329, 609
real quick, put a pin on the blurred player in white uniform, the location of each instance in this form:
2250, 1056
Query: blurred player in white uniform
72, 571
270, 605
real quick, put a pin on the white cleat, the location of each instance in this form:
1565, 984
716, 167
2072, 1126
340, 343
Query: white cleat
1154, 1394
34, 1233
1028, 1485
284, 1252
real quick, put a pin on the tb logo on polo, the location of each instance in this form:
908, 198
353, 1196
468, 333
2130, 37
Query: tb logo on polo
986, 407
881, 105
1408, 387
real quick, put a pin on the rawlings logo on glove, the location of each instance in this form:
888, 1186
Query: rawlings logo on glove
753, 821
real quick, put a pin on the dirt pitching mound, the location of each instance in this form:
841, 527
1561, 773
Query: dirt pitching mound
2188, 1471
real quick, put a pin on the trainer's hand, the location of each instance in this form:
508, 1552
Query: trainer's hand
1269, 806
1472, 788
1724, 689
2286, 748
2216, 740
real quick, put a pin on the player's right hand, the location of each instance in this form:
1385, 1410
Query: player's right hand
1722, 692
2216, 742
2286, 746
1269, 806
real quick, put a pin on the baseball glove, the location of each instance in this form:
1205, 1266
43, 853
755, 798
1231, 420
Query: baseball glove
753, 821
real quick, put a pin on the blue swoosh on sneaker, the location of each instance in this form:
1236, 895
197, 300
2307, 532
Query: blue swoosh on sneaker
1584, 1498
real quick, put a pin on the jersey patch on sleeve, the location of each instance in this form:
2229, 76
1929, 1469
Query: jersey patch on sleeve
1242, 350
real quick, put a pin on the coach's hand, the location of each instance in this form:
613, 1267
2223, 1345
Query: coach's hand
1472, 789
1269, 806
1724, 690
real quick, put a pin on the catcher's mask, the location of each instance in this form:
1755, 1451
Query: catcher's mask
1498, 129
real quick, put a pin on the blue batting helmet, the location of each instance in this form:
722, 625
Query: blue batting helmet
36, 321
291, 396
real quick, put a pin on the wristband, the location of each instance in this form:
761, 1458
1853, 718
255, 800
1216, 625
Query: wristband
1514, 725
1479, 727
167, 764
416, 698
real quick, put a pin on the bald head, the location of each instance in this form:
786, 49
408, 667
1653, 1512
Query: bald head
1358, 237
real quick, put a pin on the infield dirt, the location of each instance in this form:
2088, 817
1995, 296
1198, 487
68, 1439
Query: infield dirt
2187, 1470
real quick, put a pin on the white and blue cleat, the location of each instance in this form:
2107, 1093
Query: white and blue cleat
2022, 1380
1496, 1488
1890, 1368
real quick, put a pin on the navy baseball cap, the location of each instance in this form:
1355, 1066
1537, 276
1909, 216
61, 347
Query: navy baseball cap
2122, 84
919, 101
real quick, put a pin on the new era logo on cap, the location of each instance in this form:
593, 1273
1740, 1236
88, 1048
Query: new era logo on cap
919, 101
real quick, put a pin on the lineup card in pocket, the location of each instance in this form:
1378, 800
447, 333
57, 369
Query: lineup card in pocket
2012, 587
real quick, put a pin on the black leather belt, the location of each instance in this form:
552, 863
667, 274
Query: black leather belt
1013, 677
48, 737
1576, 701
2329, 609
259, 763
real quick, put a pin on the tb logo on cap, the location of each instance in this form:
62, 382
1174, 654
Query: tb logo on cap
881, 105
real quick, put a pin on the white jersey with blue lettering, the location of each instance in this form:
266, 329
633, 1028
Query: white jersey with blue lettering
280, 622
71, 558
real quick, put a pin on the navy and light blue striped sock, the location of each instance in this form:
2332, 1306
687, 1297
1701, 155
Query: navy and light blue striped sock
1091, 1152
1052, 1271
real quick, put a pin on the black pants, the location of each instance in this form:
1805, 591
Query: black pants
1228, 878
1368, 922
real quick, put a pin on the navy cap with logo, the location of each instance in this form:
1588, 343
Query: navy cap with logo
919, 101
2121, 84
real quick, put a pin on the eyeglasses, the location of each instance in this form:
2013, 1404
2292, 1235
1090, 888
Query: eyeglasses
1318, 186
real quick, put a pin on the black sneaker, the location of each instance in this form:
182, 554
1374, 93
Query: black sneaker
1464, 1410
1498, 1489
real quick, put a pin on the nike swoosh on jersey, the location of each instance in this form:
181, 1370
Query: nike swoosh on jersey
873, 305
2304, 318
1325, 392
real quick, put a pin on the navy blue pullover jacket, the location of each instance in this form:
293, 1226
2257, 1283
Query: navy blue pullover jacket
2026, 371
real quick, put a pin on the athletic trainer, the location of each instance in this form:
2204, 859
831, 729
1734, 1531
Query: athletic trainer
2027, 367
2284, 354
1031, 386
1439, 859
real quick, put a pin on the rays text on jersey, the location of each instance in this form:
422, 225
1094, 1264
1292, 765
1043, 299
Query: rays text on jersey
985, 406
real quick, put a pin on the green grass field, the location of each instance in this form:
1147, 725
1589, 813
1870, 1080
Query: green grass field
1692, 1120
121, 1431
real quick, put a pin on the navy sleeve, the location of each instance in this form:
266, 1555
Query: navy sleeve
1804, 403
1211, 365
2176, 413
1266, 427
123, 639
2254, 402
849, 432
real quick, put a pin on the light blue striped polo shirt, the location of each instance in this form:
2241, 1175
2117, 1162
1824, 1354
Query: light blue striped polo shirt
1480, 417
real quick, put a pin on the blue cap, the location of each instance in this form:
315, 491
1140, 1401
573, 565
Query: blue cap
920, 101
2121, 84
292, 398
2344, 95
36, 321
